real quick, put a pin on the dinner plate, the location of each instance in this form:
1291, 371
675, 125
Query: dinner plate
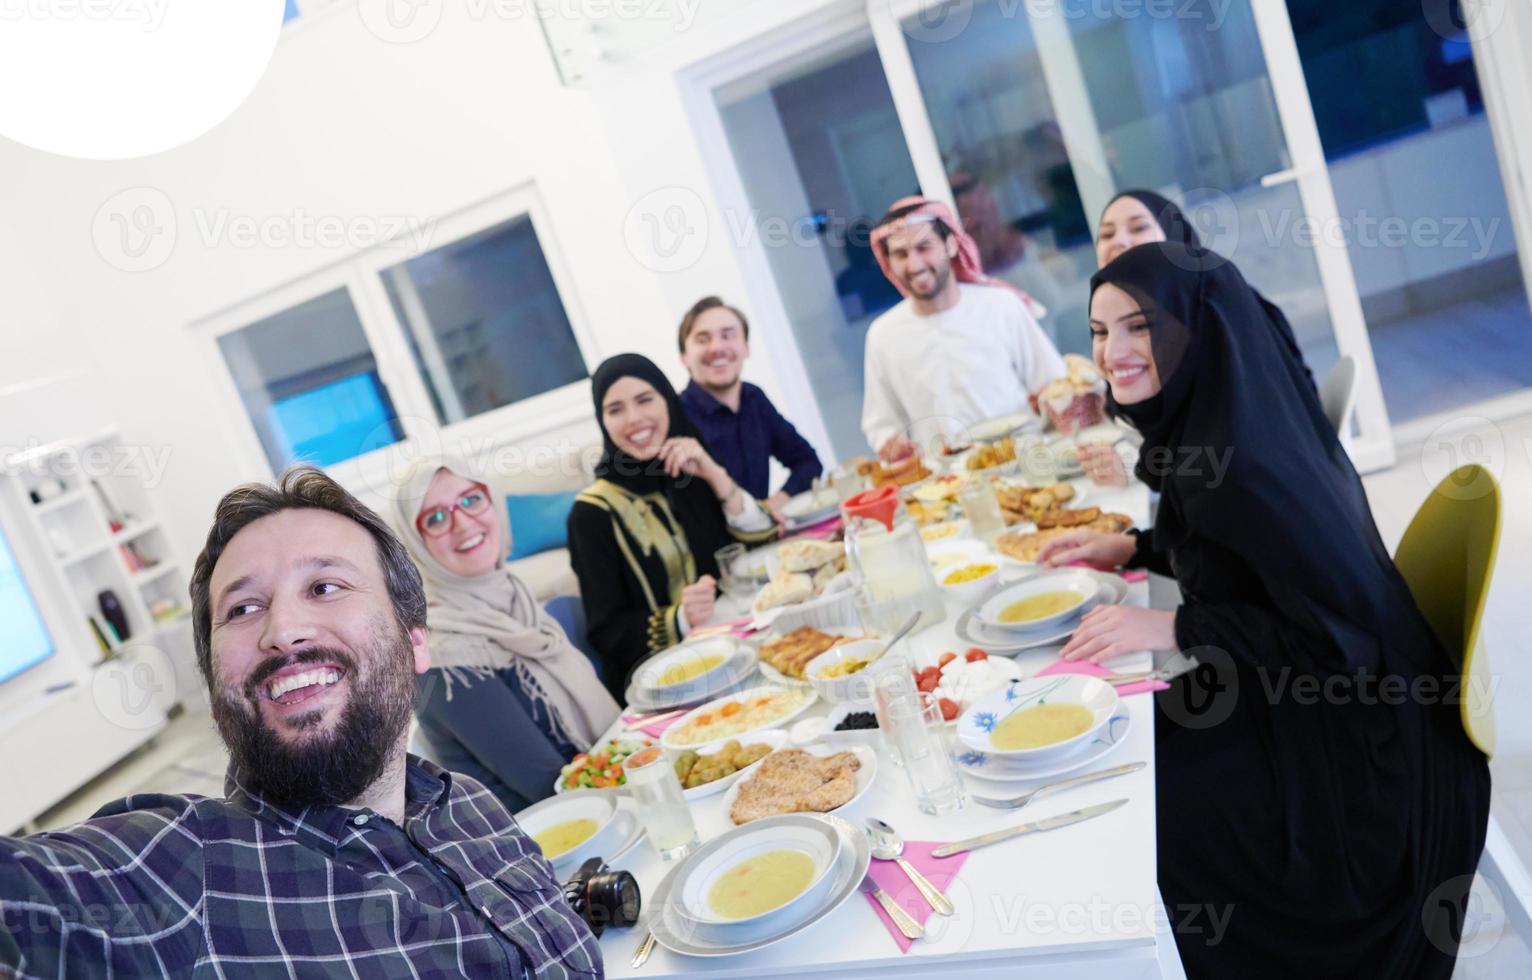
680, 935
775, 676
740, 668
864, 775
992, 430
750, 678
648, 674
618, 838
810, 507
1005, 665
670, 740
805, 833
774, 737
971, 630
994, 769
978, 723
1082, 584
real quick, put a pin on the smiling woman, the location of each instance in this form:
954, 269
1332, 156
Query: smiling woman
643, 536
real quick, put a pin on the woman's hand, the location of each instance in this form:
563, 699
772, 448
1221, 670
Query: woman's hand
1104, 467
697, 601
1111, 631
1092, 547
685, 455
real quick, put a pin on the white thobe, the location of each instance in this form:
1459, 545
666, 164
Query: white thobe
932, 377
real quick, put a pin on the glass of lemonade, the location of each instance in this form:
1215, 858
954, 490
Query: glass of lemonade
661, 806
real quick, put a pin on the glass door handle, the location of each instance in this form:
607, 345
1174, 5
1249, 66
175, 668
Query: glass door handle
1279, 177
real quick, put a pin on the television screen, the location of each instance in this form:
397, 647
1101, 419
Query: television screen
25, 639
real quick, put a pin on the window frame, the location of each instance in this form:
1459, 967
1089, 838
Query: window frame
360, 276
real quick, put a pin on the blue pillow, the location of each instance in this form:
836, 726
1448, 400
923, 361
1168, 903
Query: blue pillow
538, 522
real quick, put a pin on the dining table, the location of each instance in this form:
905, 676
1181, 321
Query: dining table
1076, 902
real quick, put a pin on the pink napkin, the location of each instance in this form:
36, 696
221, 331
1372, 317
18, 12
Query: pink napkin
892, 879
821, 531
1096, 670
657, 729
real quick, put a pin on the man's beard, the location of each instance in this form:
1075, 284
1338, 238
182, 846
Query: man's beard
325, 770
939, 276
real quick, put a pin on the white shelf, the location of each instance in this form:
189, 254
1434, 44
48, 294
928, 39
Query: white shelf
85, 554
60, 502
135, 530
146, 575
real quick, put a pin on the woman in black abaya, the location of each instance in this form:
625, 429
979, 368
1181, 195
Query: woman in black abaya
643, 536
1319, 792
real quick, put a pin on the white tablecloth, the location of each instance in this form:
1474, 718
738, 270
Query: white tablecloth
1076, 902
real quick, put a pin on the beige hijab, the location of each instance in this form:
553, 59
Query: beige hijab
482, 625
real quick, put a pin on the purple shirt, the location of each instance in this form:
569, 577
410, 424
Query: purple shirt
744, 442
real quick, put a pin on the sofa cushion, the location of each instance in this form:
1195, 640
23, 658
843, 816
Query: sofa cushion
538, 522
547, 574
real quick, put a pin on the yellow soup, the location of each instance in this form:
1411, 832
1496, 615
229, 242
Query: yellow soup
1039, 606
1043, 724
566, 836
686, 670
759, 884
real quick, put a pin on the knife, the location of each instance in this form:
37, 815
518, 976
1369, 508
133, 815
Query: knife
1051, 823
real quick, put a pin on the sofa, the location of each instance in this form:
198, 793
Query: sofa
547, 572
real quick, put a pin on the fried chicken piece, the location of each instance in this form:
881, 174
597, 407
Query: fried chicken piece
1067, 518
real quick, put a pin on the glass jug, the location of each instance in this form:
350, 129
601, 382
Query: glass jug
888, 556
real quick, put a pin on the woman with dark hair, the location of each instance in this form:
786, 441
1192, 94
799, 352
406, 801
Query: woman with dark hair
1336, 826
1137, 217
643, 536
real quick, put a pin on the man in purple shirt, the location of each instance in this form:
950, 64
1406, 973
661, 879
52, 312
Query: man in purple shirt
741, 427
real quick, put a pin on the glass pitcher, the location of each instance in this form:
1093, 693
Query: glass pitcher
888, 556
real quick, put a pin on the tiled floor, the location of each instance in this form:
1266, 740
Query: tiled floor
188, 757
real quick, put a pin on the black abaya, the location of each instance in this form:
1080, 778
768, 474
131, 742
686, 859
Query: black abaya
1314, 786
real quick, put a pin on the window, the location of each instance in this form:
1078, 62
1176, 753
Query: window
310, 384
484, 321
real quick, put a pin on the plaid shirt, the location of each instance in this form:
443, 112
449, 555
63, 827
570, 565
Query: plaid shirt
157, 886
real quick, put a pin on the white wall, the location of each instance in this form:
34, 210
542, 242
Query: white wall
344, 124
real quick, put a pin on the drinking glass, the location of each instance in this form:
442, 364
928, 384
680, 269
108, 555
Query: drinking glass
917, 737
982, 508
660, 804
729, 579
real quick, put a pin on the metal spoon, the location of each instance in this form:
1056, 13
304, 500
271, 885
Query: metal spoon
909, 624
887, 845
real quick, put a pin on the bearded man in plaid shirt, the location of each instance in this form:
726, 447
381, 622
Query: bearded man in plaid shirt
334, 853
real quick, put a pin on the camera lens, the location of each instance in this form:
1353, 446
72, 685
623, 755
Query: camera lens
612, 899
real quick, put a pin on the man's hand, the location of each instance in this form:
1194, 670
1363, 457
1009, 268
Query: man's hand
897, 447
697, 601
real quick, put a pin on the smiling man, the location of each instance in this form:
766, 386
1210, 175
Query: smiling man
334, 850
742, 428
960, 348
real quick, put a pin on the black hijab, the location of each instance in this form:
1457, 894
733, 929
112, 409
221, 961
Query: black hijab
1290, 505
1179, 229
691, 500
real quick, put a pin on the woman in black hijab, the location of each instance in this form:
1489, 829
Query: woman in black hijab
1137, 217
643, 536
1315, 785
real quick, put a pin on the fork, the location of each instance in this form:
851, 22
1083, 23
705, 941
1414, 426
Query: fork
1016, 803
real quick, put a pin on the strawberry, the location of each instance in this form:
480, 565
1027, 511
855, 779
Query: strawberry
946, 659
973, 654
